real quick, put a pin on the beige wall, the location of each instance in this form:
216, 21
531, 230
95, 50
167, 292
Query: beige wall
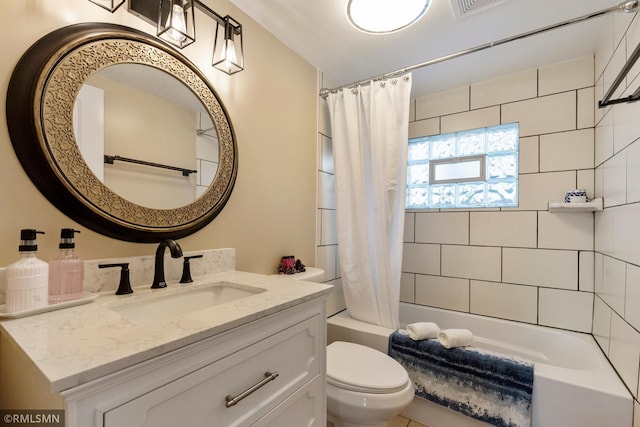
272, 105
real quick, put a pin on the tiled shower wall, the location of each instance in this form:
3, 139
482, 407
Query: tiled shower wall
525, 263
616, 322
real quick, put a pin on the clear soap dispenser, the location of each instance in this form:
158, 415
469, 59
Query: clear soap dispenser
66, 271
27, 278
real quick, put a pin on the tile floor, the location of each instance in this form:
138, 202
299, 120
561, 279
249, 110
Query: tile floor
398, 421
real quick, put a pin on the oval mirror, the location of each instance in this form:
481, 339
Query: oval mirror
121, 132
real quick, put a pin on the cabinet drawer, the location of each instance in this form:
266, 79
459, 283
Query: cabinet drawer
199, 398
305, 408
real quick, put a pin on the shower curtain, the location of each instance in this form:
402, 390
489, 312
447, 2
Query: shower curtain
369, 127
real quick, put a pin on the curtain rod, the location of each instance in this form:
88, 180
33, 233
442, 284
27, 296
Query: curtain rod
626, 6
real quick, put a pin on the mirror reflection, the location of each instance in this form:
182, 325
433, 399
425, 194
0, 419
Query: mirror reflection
149, 119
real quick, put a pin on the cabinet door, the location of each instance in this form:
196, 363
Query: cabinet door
305, 408
199, 398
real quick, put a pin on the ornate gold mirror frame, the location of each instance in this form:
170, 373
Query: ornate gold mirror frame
40, 101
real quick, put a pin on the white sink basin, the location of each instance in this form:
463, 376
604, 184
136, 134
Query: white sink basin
168, 303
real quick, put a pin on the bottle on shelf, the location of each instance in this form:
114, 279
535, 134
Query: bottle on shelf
66, 271
27, 278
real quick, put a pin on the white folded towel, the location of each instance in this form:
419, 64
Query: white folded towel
422, 330
452, 338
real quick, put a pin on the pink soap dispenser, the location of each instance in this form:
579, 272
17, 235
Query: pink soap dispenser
66, 272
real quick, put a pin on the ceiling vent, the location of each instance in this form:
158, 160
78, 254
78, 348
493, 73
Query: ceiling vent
463, 8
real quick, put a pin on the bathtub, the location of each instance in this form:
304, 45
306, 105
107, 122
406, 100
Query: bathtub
574, 384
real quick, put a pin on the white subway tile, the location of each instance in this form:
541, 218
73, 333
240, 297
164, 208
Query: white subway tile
541, 267
407, 287
633, 40
326, 154
421, 258
409, 227
566, 309
565, 230
624, 351
326, 191
327, 259
503, 229
573, 74
625, 126
528, 160
614, 180
604, 139
548, 114
567, 150
442, 103
536, 190
586, 271
442, 227
604, 49
329, 232
586, 180
633, 173
632, 296
615, 234
484, 117
426, 127
612, 287
616, 62
442, 292
511, 88
602, 324
505, 301
586, 112
471, 262
335, 300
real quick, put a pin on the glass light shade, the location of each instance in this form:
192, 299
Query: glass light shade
385, 16
110, 5
228, 55
176, 22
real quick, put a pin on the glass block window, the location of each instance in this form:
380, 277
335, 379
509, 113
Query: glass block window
496, 145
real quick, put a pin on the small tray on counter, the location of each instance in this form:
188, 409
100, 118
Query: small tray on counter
86, 298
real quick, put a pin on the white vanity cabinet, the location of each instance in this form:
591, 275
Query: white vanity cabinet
278, 361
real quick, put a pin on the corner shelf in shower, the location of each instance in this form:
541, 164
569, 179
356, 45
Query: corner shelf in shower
590, 206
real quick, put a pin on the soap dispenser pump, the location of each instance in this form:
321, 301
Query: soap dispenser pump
27, 278
66, 272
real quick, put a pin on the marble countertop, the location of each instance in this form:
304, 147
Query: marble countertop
75, 345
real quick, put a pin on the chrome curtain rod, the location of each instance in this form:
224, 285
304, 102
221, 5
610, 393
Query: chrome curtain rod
626, 6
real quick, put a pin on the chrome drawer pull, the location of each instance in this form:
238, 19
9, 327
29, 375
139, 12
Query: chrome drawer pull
231, 400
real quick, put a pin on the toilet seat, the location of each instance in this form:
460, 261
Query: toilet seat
362, 369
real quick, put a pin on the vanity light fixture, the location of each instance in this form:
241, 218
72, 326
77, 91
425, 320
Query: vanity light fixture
175, 21
385, 16
110, 5
228, 55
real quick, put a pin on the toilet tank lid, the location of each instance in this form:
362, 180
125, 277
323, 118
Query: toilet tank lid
360, 368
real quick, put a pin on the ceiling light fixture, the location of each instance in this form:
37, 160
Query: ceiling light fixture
175, 22
385, 16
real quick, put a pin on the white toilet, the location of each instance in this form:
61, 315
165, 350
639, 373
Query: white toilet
365, 387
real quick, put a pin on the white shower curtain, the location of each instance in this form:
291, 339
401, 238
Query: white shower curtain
369, 127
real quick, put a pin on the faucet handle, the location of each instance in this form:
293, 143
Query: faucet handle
125, 284
186, 269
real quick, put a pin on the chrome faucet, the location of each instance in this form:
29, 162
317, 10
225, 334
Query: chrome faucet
158, 273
